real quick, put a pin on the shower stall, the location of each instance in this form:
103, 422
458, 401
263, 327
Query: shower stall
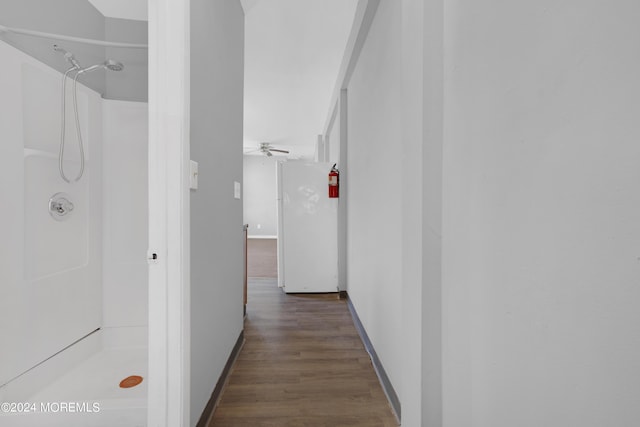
74, 227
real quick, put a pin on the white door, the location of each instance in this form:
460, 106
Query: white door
308, 228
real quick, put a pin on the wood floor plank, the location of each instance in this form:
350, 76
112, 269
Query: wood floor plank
262, 258
303, 364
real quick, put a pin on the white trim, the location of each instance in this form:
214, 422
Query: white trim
53, 36
169, 280
280, 238
343, 206
333, 115
365, 12
261, 237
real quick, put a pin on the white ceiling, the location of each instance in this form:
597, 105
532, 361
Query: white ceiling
125, 9
293, 51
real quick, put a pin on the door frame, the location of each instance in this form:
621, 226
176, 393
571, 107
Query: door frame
169, 213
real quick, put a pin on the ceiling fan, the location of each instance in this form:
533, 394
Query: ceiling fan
266, 149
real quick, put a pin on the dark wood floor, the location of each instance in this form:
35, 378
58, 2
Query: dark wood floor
303, 364
262, 258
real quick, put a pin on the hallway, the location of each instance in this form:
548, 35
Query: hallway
303, 364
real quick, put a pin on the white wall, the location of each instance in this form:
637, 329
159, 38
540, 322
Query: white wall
374, 240
125, 225
217, 267
519, 210
541, 208
260, 195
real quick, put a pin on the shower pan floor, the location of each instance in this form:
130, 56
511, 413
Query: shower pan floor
92, 394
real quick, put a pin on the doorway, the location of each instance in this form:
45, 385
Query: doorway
260, 214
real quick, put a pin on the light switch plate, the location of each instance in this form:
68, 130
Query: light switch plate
193, 175
236, 189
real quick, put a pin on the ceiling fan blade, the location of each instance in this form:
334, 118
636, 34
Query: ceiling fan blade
279, 151
252, 151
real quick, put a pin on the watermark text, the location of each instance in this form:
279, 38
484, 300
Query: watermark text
49, 407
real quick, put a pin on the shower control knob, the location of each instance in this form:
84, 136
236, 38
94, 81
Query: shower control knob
60, 206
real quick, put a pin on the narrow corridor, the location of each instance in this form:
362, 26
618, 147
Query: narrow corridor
303, 364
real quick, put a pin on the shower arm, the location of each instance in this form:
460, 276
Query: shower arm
71, 59
4, 29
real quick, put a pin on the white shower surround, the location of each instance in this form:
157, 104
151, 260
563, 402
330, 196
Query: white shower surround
125, 222
109, 274
50, 273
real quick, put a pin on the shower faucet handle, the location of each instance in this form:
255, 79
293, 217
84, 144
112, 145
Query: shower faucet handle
59, 206
62, 205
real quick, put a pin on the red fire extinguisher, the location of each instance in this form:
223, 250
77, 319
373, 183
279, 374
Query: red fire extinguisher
334, 182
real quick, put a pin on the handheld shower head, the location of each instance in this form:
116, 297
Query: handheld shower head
112, 65
109, 64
